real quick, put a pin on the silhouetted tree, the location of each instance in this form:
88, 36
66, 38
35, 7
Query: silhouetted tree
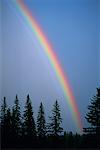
70, 140
16, 118
3, 112
54, 126
92, 133
41, 123
9, 133
77, 141
9, 122
3, 118
93, 115
29, 128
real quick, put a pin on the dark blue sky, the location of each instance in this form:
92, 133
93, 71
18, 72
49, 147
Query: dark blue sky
72, 26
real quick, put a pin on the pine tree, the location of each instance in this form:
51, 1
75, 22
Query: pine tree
29, 128
41, 126
16, 118
54, 127
93, 115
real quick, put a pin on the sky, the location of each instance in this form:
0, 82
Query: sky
73, 28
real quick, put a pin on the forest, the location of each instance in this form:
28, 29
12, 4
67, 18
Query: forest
23, 131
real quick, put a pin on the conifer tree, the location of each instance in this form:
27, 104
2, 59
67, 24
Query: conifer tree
93, 114
3, 117
3, 111
9, 124
16, 118
56, 120
29, 128
41, 123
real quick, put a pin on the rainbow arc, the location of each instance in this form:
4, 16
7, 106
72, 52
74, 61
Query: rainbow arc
47, 48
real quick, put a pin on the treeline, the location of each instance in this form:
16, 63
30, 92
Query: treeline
23, 131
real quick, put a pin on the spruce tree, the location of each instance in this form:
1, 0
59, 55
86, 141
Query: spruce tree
3, 117
93, 114
3, 110
41, 123
29, 128
16, 118
9, 124
54, 126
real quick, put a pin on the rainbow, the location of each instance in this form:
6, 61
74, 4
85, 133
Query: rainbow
35, 28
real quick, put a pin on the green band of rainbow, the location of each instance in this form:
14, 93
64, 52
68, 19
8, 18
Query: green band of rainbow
35, 28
